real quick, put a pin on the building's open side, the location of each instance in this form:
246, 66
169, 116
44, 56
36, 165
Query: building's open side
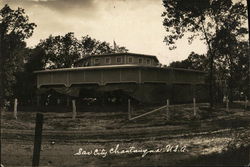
134, 75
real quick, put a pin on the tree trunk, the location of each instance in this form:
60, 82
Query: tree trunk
211, 68
230, 83
248, 79
2, 55
211, 74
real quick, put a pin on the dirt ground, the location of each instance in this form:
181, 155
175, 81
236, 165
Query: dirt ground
107, 138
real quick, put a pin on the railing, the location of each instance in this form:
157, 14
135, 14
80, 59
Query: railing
167, 108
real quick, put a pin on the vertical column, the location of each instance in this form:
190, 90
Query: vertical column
139, 72
129, 108
67, 82
103, 99
167, 110
15, 108
58, 101
73, 109
67, 100
37, 140
38, 99
194, 102
227, 104
102, 81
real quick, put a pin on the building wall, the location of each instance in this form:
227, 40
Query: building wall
125, 59
146, 84
134, 74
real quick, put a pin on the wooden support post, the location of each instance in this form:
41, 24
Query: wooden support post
227, 104
103, 100
67, 100
37, 139
74, 109
129, 108
15, 108
167, 110
195, 112
58, 101
38, 99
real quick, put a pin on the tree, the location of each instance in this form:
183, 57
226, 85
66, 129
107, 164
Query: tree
203, 18
242, 69
91, 46
248, 78
25, 87
14, 29
231, 62
231, 66
63, 51
60, 51
194, 62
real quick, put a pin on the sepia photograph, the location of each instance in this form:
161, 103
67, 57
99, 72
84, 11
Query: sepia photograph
124, 83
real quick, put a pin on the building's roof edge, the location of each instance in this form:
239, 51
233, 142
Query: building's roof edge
115, 66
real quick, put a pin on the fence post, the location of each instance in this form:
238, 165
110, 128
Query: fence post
15, 108
227, 104
167, 110
37, 140
129, 108
74, 109
195, 112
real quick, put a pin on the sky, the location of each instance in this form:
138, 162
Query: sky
135, 24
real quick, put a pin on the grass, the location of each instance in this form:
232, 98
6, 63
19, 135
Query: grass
209, 149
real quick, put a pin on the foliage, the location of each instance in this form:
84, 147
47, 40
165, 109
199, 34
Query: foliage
60, 51
207, 19
232, 68
14, 29
201, 18
232, 65
19, 62
57, 52
194, 61
91, 46
63, 51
